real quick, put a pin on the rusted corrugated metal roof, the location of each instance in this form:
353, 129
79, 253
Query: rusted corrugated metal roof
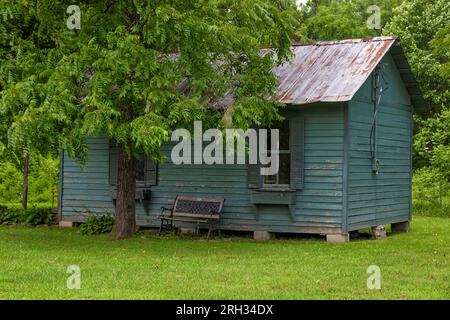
333, 71
329, 71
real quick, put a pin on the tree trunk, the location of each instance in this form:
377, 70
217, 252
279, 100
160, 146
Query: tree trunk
25, 181
125, 221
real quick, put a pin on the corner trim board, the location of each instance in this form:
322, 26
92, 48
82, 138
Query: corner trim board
345, 168
60, 187
411, 161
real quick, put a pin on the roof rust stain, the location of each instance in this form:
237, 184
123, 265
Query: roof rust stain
329, 71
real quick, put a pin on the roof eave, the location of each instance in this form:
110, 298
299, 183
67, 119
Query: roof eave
404, 68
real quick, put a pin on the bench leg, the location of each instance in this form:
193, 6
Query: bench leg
210, 231
161, 226
166, 225
197, 228
217, 228
213, 227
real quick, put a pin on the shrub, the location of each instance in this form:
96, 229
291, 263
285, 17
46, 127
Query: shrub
430, 185
431, 192
33, 215
8, 215
424, 208
36, 216
97, 225
10, 183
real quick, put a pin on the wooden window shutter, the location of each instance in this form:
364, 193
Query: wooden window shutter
253, 176
113, 162
151, 172
254, 179
297, 146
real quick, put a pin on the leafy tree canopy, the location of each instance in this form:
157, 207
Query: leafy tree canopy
343, 19
27, 58
423, 27
432, 142
137, 69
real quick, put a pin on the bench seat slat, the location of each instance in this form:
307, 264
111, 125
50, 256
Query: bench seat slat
188, 220
195, 215
189, 215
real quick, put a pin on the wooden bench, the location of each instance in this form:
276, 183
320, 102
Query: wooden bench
193, 210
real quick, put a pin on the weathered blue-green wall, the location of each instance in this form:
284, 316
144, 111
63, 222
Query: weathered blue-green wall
317, 209
87, 189
383, 198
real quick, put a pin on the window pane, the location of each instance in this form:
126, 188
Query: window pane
283, 175
285, 169
284, 135
270, 179
283, 128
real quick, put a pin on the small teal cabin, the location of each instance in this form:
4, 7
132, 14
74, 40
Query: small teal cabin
345, 153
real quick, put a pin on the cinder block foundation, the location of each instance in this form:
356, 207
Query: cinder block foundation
400, 227
66, 224
338, 238
378, 232
262, 235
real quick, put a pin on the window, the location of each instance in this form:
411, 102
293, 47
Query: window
282, 178
290, 175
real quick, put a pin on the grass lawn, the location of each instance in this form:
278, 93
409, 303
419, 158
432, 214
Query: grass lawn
33, 264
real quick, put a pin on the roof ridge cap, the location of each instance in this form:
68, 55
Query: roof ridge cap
346, 41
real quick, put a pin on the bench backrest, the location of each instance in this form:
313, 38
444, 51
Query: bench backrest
189, 206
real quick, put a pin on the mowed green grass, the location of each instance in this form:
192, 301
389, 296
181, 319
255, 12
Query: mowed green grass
34, 261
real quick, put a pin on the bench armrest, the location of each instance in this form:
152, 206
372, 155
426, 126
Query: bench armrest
213, 212
163, 209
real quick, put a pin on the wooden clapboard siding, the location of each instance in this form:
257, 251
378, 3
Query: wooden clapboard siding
87, 189
317, 209
383, 198
320, 201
